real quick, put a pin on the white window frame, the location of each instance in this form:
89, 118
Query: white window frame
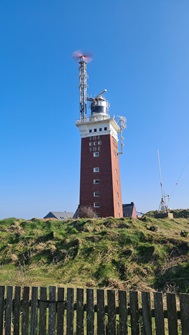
96, 181
95, 154
96, 169
96, 194
96, 204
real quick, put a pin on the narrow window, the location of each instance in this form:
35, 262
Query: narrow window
90, 130
90, 143
96, 169
100, 129
96, 181
96, 204
99, 142
105, 128
95, 154
96, 194
95, 130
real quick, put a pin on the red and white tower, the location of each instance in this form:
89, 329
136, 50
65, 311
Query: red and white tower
100, 187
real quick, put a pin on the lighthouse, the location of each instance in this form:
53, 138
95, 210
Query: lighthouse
100, 185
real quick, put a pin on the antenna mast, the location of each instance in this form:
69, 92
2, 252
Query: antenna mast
82, 58
162, 207
122, 125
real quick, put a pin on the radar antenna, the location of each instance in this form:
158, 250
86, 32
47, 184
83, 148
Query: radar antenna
83, 58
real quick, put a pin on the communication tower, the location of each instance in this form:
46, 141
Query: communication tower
100, 187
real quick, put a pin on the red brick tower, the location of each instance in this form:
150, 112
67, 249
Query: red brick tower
100, 187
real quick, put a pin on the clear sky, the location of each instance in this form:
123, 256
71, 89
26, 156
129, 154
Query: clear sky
141, 56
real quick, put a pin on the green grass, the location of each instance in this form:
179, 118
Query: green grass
119, 253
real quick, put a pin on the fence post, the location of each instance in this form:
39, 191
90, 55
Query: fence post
43, 311
25, 310
80, 311
123, 313
16, 310
60, 311
172, 313
90, 311
146, 313
8, 311
159, 315
184, 313
134, 313
111, 312
34, 311
100, 313
2, 291
70, 310
52, 310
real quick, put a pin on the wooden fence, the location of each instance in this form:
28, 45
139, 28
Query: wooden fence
58, 311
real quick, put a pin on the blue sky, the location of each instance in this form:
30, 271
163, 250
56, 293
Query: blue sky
141, 56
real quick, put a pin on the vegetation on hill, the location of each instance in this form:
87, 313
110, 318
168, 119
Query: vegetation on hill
125, 253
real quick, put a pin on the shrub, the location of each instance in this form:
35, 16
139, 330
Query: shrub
87, 212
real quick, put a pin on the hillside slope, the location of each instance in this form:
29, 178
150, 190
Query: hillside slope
142, 254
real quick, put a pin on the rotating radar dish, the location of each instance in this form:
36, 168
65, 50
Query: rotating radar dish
86, 56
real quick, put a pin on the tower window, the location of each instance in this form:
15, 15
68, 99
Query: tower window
95, 130
94, 143
95, 154
105, 128
90, 143
96, 181
99, 142
90, 130
100, 129
96, 204
96, 169
96, 194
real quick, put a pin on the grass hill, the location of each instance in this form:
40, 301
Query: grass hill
144, 254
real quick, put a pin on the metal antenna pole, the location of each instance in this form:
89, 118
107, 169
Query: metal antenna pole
83, 58
83, 87
160, 175
163, 207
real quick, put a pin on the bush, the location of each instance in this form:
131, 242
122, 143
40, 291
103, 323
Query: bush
87, 212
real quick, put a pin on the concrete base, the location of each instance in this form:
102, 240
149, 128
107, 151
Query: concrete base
162, 215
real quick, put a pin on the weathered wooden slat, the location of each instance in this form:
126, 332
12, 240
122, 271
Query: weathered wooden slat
16, 311
25, 311
70, 311
134, 313
80, 312
100, 313
8, 310
90, 311
146, 313
111, 312
172, 314
60, 311
2, 292
184, 313
52, 310
123, 313
43, 311
159, 315
34, 311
